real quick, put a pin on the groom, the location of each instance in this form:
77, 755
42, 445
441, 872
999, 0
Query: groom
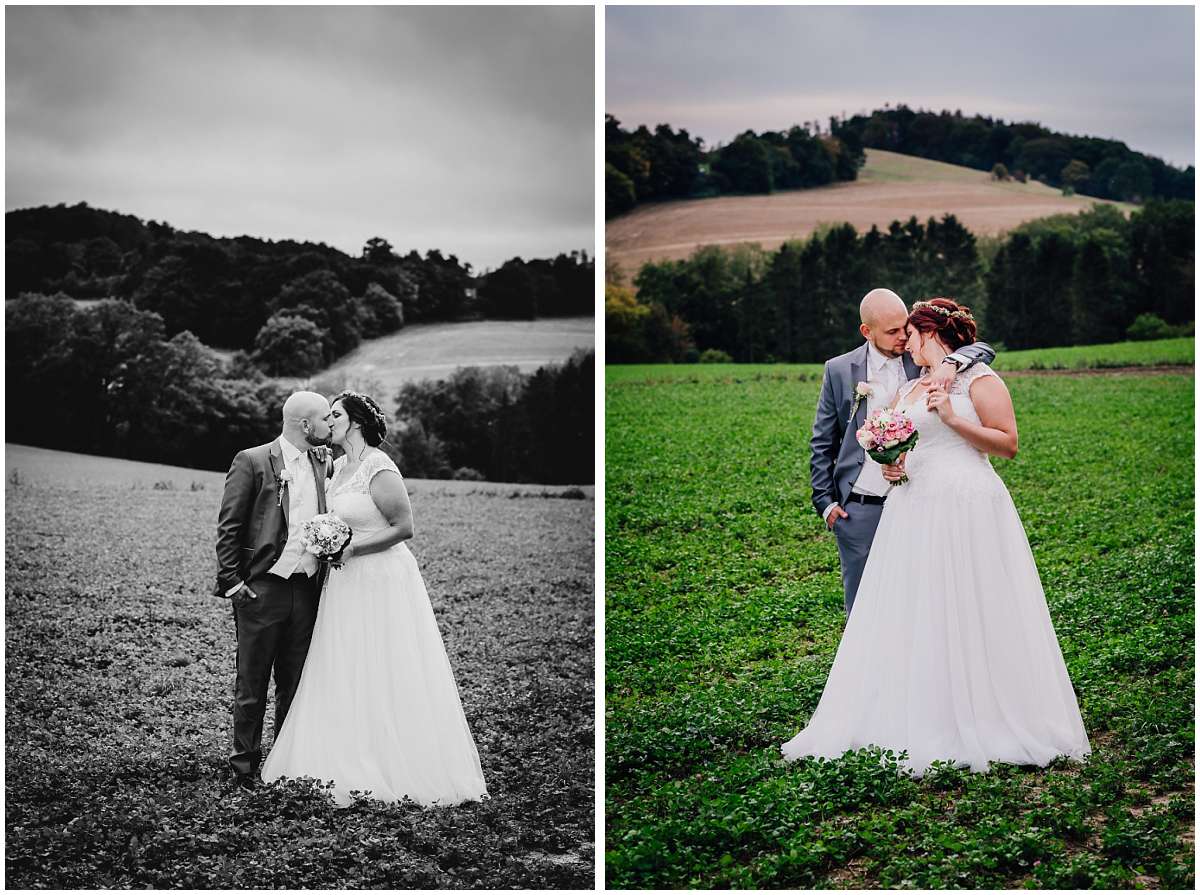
270, 492
848, 486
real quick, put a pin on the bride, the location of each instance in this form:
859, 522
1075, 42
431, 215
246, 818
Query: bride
377, 708
950, 653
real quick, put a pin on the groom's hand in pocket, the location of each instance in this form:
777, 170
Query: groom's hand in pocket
244, 597
834, 515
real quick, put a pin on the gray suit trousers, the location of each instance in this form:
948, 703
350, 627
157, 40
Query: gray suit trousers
854, 536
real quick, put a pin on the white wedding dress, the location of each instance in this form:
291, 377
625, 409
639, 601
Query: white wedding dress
949, 652
377, 707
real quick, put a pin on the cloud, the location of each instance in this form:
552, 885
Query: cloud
1120, 72
435, 128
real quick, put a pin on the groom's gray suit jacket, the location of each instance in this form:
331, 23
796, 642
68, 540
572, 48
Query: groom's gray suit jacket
252, 526
837, 457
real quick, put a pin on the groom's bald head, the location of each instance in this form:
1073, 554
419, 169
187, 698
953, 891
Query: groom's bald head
883, 315
303, 406
306, 419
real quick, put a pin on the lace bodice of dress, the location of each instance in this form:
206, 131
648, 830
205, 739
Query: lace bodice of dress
350, 497
941, 454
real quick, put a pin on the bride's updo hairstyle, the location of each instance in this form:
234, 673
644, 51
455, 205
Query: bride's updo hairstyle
367, 413
947, 319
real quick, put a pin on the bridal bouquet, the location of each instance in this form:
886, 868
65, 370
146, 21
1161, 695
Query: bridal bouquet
886, 435
325, 536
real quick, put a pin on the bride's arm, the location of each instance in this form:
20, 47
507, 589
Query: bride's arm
996, 431
390, 495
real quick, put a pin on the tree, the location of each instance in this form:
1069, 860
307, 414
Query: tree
378, 250
624, 326
1012, 300
1074, 175
102, 256
43, 382
1053, 270
1163, 258
1131, 182
1095, 299
116, 349
510, 292
999, 172
321, 298
744, 165
288, 345
1147, 327
619, 194
382, 312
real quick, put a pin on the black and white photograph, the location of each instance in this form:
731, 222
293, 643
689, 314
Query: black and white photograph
300, 447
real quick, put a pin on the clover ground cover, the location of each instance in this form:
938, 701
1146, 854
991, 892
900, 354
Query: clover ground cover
119, 671
724, 610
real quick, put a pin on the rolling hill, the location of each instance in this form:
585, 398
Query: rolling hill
435, 350
890, 187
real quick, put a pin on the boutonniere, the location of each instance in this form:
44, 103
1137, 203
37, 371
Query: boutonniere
281, 482
862, 390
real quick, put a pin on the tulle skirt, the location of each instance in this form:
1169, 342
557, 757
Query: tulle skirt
949, 652
377, 707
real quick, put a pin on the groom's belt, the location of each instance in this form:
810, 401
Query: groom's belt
864, 498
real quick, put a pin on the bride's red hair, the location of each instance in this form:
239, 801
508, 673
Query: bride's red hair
954, 329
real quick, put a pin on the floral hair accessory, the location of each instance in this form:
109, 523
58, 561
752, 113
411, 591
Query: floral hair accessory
370, 405
965, 315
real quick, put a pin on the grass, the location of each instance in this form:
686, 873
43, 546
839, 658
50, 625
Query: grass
1163, 352
724, 610
894, 167
435, 350
119, 674
24, 464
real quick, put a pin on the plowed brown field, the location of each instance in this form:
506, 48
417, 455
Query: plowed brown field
890, 187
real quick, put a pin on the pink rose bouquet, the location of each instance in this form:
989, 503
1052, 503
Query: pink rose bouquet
886, 435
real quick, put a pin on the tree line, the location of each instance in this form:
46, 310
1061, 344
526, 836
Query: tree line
295, 306
498, 424
1088, 278
644, 165
108, 379
1106, 169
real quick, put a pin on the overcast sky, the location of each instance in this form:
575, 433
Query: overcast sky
1118, 72
468, 130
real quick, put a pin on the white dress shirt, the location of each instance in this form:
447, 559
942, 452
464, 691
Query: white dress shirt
886, 374
301, 495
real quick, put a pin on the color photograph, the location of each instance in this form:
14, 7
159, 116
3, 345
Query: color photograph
899, 542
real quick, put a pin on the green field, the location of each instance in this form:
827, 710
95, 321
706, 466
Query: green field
1164, 352
119, 669
724, 610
